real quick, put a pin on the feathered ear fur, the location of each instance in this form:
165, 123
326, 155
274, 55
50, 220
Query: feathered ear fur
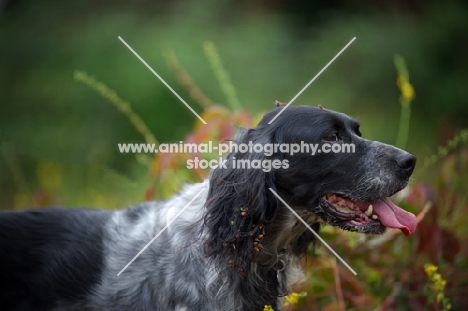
239, 205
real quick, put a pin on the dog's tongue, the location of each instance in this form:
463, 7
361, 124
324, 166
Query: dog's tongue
393, 216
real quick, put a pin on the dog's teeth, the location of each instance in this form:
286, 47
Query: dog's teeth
369, 211
375, 217
341, 208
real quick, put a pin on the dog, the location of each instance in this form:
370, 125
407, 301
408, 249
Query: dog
233, 245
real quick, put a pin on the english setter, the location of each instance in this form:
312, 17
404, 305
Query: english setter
234, 248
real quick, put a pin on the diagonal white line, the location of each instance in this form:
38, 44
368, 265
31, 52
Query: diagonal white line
313, 79
315, 233
162, 80
160, 232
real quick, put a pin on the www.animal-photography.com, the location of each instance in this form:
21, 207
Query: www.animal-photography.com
233, 155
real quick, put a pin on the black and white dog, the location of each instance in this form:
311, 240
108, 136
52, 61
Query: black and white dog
235, 247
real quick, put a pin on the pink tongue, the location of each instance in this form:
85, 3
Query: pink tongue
393, 216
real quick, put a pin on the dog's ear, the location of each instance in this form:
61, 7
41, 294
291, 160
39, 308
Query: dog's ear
279, 104
239, 205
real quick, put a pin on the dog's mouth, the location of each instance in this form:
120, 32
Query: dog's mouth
366, 217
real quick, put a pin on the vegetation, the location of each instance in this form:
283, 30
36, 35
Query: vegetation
58, 139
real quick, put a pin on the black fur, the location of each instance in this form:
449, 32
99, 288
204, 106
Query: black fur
49, 255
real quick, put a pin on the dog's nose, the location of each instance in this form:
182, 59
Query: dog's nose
406, 161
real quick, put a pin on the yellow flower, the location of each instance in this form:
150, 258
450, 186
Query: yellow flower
430, 269
268, 308
437, 287
407, 90
293, 298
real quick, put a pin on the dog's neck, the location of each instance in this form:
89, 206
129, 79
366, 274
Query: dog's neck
281, 233
272, 260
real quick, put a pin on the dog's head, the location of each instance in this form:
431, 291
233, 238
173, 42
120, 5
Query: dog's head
347, 187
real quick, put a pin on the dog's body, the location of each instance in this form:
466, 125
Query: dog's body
233, 248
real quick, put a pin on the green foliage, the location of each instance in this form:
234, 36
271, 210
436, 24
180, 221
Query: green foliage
436, 288
123, 106
407, 95
223, 77
442, 151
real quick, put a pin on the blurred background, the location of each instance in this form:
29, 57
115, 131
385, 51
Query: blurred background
59, 133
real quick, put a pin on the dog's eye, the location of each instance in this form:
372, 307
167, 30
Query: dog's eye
333, 137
